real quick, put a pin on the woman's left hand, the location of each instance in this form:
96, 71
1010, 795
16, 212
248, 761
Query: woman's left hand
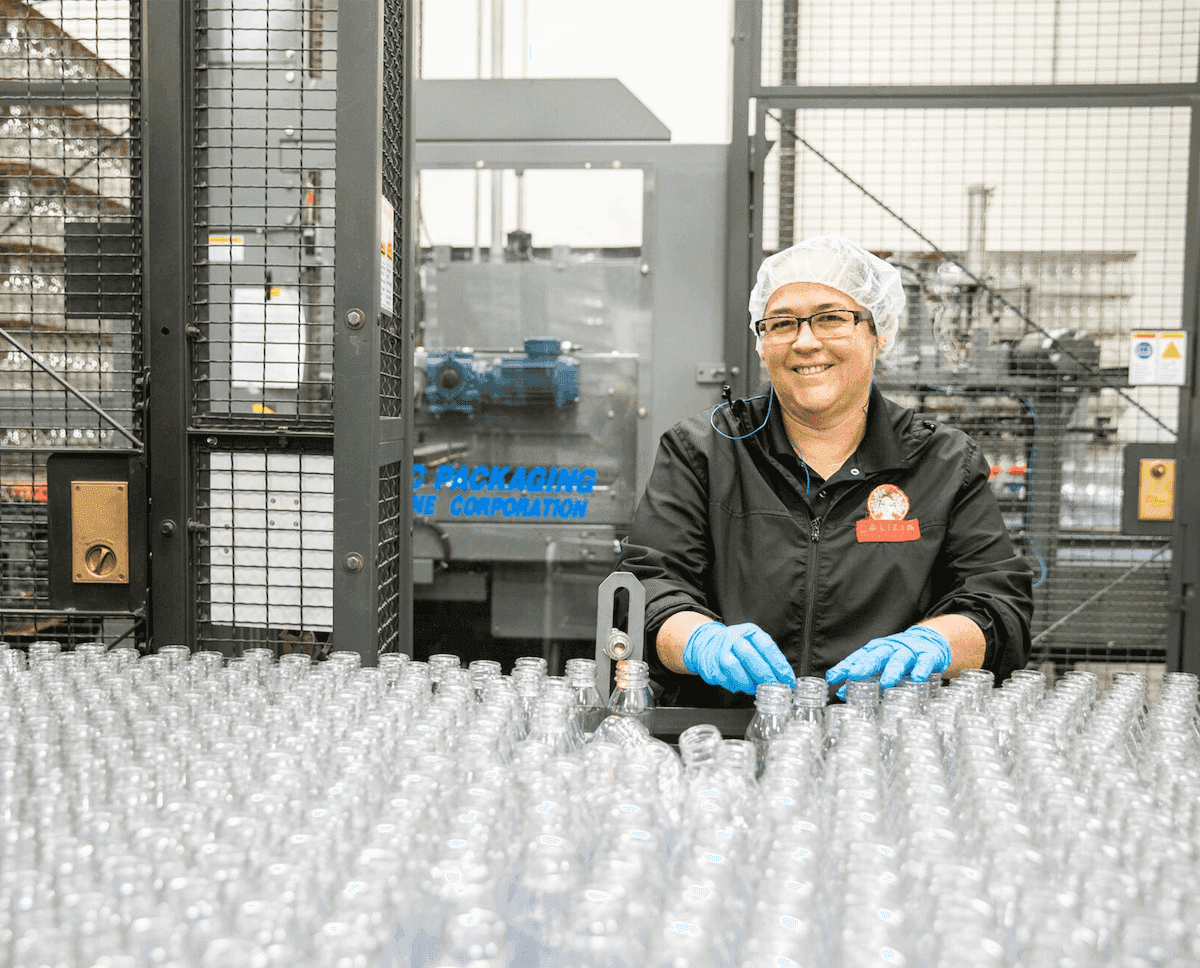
917, 652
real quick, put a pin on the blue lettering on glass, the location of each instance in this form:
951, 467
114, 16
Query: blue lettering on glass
552, 509
504, 491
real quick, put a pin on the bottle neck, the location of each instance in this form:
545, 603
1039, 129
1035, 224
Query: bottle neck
698, 745
772, 707
632, 674
582, 679
773, 699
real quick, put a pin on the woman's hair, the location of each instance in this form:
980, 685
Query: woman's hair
834, 261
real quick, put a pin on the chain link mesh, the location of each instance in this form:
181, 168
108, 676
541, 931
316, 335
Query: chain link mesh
70, 265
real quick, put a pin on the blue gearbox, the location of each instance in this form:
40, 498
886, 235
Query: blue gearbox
457, 382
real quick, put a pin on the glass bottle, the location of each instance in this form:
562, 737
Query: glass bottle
438, 664
550, 723
589, 707
772, 710
863, 696
632, 699
810, 695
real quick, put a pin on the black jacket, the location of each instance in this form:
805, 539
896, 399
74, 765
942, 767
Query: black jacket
733, 529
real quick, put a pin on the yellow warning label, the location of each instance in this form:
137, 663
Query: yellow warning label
1171, 352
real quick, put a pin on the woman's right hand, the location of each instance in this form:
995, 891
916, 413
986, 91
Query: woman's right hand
736, 658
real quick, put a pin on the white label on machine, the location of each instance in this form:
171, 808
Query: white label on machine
226, 248
271, 532
266, 350
387, 239
1157, 358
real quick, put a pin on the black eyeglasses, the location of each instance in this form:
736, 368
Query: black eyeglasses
828, 324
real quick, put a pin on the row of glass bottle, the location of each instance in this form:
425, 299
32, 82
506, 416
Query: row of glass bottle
1019, 826
177, 810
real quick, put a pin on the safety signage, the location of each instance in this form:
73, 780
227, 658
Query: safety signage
226, 248
387, 245
1157, 358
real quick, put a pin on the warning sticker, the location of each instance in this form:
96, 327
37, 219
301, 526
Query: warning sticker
387, 241
226, 248
1157, 358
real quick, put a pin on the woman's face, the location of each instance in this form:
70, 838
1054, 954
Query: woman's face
815, 378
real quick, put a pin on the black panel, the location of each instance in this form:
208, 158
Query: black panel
61, 470
102, 262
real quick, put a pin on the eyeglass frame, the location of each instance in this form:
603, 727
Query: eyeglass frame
860, 315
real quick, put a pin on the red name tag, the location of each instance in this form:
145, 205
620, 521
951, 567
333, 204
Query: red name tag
869, 529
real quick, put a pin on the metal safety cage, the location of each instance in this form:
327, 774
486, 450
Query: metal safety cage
258, 353
265, 82
1042, 211
70, 267
251, 411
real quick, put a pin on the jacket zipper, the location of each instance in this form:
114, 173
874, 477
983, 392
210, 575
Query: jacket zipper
814, 535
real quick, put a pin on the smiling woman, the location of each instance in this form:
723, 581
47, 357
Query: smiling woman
820, 528
821, 381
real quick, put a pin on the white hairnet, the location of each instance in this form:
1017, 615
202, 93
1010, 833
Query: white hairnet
837, 262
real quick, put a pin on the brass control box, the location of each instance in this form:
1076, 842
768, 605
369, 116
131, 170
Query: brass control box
1148, 487
1156, 490
99, 532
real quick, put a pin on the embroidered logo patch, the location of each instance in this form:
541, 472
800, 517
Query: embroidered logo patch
885, 521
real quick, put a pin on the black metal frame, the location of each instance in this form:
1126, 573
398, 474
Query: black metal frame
1183, 631
368, 445
167, 274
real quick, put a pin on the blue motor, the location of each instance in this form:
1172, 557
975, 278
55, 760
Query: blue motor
458, 382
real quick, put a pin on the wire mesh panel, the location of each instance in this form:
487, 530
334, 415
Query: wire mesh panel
394, 561
1042, 250
267, 554
965, 42
264, 199
70, 247
393, 496
262, 336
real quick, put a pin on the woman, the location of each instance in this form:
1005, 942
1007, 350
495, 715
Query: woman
822, 529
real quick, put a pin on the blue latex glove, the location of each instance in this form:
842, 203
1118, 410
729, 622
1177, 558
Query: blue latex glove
918, 652
736, 658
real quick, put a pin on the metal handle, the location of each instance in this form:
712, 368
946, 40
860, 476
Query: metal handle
613, 643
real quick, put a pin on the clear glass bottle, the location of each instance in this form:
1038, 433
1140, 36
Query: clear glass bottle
863, 696
772, 710
438, 664
550, 723
589, 707
810, 696
632, 698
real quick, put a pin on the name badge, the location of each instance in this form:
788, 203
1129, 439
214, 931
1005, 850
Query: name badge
869, 529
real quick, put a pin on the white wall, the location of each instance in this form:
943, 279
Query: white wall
675, 55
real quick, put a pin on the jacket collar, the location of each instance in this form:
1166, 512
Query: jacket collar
891, 440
